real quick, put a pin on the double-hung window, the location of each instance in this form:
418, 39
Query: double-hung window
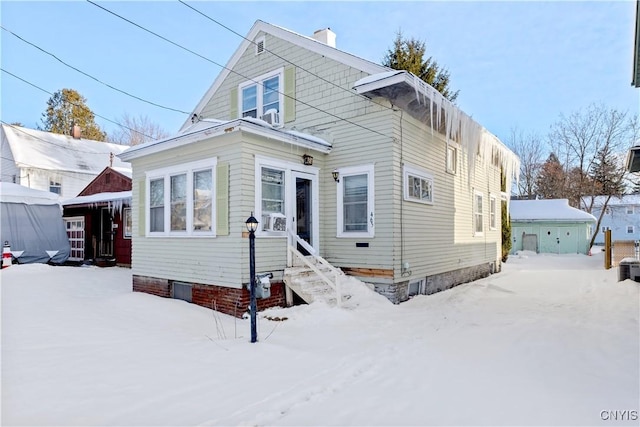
478, 219
452, 158
356, 202
55, 186
262, 95
180, 201
272, 184
418, 185
492, 212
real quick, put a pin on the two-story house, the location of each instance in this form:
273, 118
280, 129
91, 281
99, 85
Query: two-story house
621, 216
62, 164
345, 163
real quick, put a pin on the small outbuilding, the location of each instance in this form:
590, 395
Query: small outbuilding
32, 225
550, 226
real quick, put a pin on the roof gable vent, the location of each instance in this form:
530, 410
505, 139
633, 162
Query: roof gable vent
259, 45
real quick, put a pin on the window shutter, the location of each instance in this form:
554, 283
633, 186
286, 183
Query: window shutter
142, 207
233, 104
289, 94
222, 199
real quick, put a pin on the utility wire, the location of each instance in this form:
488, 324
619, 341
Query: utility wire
234, 71
90, 76
77, 105
284, 59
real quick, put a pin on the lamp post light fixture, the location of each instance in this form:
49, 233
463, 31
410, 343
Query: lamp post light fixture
307, 160
252, 226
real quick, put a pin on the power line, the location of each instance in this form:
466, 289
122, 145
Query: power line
77, 105
234, 71
282, 58
90, 76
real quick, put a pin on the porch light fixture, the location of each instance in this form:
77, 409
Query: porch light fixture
252, 226
336, 175
307, 160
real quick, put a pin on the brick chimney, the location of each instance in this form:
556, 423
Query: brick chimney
325, 36
76, 132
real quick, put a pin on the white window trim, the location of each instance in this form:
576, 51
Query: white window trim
288, 168
631, 229
493, 212
356, 170
454, 146
257, 81
475, 196
418, 173
166, 174
126, 212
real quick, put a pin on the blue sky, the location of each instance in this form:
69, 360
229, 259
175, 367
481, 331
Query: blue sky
516, 64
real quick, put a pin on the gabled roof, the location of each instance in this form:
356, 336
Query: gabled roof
556, 210
209, 128
305, 42
51, 151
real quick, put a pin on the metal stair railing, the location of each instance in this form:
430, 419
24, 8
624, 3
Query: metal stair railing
293, 251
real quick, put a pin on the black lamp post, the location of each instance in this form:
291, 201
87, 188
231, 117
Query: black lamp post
252, 226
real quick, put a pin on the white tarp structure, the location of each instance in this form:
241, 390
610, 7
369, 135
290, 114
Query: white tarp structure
32, 224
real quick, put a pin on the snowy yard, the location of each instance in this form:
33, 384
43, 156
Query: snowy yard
551, 340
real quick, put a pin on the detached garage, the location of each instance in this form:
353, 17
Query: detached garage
550, 226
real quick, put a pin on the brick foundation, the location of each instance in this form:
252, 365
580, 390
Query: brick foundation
232, 301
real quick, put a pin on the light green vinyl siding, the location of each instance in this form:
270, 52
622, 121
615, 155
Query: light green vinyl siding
222, 199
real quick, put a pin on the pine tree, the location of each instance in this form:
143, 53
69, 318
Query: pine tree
551, 179
505, 220
67, 108
408, 54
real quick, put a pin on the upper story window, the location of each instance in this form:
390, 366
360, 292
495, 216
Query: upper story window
418, 185
356, 202
607, 211
629, 210
492, 212
452, 159
262, 97
630, 229
478, 219
55, 186
181, 200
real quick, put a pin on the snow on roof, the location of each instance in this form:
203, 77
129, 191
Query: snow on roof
547, 210
50, 151
458, 125
98, 198
213, 127
14, 193
598, 201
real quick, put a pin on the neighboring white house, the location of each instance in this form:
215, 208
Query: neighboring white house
550, 226
622, 217
52, 162
341, 159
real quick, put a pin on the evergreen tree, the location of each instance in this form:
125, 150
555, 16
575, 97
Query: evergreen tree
551, 179
607, 173
408, 54
67, 108
505, 220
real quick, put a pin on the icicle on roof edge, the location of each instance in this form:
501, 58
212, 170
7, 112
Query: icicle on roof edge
473, 137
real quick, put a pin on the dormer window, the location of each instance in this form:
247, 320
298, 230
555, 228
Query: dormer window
262, 98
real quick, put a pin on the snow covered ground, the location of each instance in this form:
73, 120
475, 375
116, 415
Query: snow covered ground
551, 340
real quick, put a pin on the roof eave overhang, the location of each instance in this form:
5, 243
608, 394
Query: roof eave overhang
219, 130
633, 159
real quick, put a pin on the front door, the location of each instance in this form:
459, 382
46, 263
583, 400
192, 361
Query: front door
105, 246
304, 219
